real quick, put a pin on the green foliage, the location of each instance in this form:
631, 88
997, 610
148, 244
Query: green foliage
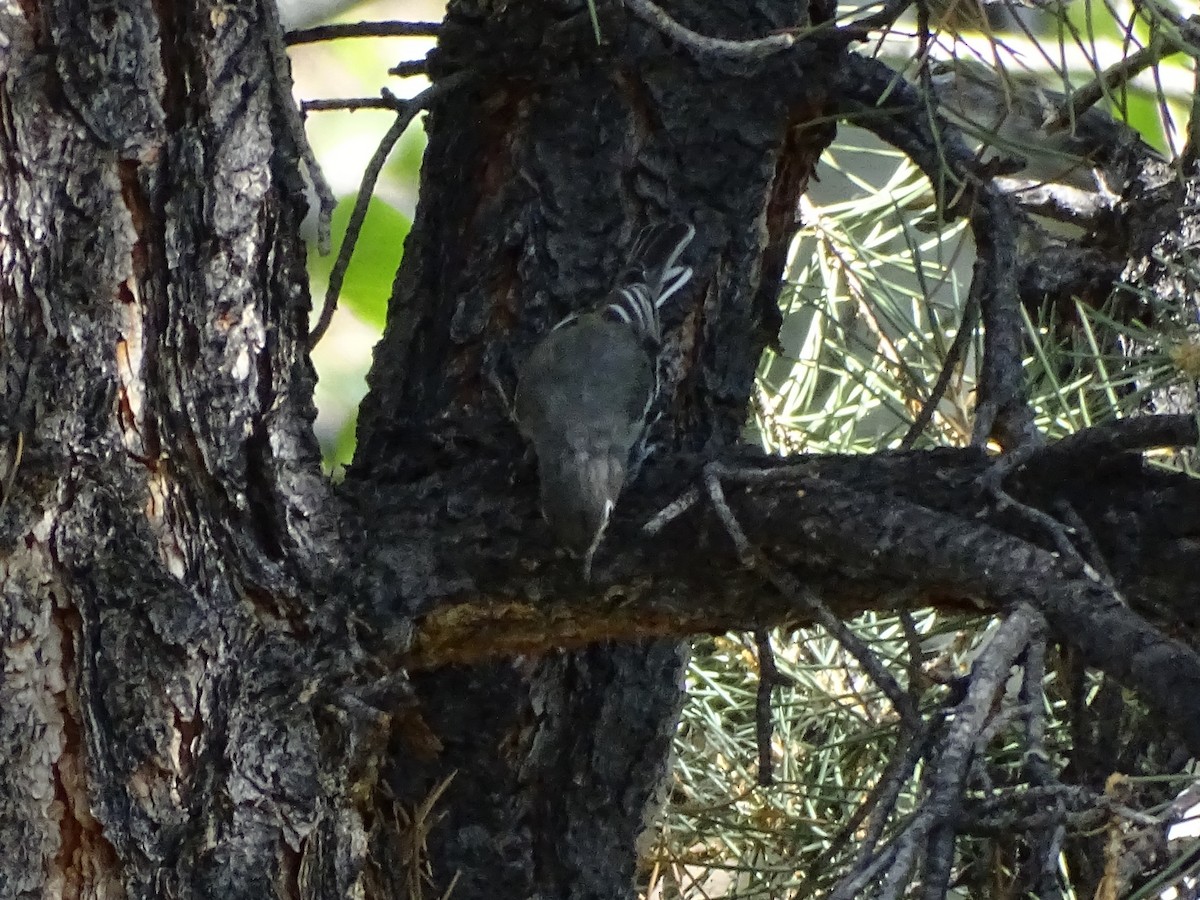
377, 255
403, 168
344, 141
343, 356
864, 344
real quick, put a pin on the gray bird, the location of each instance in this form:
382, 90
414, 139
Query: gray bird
587, 388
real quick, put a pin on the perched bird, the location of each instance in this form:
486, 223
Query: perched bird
587, 388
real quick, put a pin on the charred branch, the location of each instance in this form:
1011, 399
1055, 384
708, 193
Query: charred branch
914, 530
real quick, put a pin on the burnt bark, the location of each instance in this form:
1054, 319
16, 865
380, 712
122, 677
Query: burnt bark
167, 528
523, 216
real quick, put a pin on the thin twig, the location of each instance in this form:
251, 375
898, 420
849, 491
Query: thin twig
764, 725
884, 18
894, 108
362, 30
1037, 760
353, 103
366, 189
876, 97
888, 789
852, 883
912, 639
1084, 537
954, 355
989, 674
879, 804
1058, 533
672, 511
409, 68
1187, 39
1003, 408
716, 496
895, 854
1084, 98
1046, 840
1052, 819
1075, 798
756, 48
787, 585
992, 484
897, 876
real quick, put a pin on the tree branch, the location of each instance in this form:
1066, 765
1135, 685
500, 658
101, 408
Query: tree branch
876, 97
352, 103
366, 190
362, 30
755, 48
1002, 410
948, 776
916, 533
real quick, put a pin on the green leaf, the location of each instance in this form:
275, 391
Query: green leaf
377, 255
404, 164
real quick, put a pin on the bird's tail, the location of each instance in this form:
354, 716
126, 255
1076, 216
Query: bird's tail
651, 275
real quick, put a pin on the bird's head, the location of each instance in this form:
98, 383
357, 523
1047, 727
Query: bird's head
579, 488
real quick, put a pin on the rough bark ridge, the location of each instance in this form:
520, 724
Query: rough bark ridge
569, 148
165, 531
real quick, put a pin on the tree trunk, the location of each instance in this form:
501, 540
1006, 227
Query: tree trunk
223, 678
167, 526
172, 539
532, 185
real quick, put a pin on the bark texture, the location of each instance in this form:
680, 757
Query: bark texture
206, 650
523, 217
167, 527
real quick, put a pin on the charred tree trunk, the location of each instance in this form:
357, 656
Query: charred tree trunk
167, 526
207, 649
534, 179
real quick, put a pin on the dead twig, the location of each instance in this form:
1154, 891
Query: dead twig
753, 49
366, 190
362, 30
764, 726
954, 355
409, 68
387, 101
787, 585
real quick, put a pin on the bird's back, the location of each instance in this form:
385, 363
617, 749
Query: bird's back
607, 404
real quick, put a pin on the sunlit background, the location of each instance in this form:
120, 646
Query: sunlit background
344, 141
